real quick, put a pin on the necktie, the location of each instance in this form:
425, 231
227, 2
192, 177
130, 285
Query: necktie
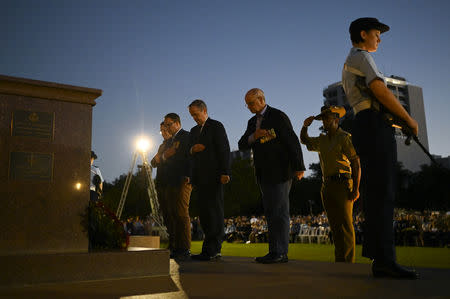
259, 118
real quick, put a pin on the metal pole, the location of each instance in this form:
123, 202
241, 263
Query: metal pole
153, 198
126, 186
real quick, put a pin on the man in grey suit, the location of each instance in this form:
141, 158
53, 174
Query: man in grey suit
278, 158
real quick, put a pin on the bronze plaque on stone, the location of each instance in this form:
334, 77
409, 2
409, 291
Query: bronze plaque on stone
31, 166
33, 124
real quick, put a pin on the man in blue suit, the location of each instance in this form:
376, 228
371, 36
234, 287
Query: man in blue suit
278, 158
210, 153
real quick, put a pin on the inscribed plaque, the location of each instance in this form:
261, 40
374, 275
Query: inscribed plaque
31, 166
33, 124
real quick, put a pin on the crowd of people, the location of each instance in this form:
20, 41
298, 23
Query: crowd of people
427, 229
422, 229
430, 229
137, 226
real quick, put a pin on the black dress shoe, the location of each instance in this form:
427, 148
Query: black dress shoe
206, 258
260, 259
393, 270
175, 252
279, 258
182, 255
272, 259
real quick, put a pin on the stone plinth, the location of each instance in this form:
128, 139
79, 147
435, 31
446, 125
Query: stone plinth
19, 270
45, 138
144, 241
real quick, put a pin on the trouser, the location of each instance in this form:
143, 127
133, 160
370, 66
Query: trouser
375, 144
276, 209
92, 225
163, 207
94, 197
178, 222
210, 197
339, 209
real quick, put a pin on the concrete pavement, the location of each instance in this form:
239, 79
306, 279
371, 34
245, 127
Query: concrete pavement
237, 277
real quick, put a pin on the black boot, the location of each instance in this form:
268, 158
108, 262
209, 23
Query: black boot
392, 270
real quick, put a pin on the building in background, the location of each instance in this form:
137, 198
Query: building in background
411, 97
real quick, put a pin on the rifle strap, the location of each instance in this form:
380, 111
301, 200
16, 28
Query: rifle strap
353, 70
368, 103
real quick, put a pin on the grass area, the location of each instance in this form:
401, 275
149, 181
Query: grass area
426, 257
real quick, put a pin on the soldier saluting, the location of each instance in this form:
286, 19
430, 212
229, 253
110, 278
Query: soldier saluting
341, 175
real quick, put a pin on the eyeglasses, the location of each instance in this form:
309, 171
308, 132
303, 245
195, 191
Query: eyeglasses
250, 104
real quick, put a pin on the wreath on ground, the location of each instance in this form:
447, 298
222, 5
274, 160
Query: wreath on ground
105, 231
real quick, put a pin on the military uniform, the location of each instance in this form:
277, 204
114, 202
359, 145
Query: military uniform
375, 144
335, 153
96, 180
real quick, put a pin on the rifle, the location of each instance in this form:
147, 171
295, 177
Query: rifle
391, 119
401, 124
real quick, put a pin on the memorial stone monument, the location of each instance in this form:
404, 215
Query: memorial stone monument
45, 146
45, 137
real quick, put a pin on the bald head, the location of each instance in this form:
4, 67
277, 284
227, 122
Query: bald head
255, 100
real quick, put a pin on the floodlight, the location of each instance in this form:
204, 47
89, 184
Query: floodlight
143, 144
78, 186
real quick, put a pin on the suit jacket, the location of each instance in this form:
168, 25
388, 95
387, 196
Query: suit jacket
214, 161
275, 159
178, 166
161, 176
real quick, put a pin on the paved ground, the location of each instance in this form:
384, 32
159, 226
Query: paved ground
236, 277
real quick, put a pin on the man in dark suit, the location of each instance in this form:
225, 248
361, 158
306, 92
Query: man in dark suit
278, 158
178, 191
210, 153
161, 181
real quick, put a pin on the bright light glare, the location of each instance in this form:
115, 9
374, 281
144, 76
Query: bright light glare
143, 144
78, 186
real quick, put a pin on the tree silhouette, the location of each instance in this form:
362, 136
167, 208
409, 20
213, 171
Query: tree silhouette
423, 190
242, 195
304, 198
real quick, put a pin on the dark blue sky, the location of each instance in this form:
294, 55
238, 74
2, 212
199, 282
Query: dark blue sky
156, 56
